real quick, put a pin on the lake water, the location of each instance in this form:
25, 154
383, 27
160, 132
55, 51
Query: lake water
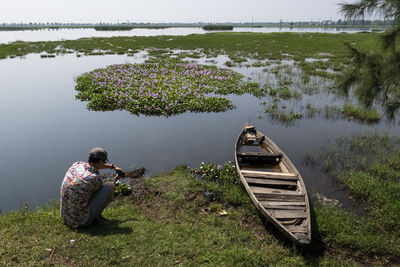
72, 34
44, 130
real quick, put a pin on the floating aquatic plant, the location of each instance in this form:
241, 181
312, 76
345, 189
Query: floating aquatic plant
159, 88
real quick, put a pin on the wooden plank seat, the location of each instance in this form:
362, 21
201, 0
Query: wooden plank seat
288, 214
265, 157
284, 207
297, 229
270, 175
264, 181
282, 203
276, 191
279, 197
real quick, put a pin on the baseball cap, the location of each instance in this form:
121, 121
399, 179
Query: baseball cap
99, 153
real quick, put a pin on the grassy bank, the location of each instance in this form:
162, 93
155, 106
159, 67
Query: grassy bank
168, 221
368, 164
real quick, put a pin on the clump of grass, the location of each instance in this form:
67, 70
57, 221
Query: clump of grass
254, 89
312, 111
283, 92
276, 114
310, 159
224, 181
258, 64
355, 112
229, 64
332, 112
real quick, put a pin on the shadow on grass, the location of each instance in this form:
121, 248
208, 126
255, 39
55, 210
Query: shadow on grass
111, 228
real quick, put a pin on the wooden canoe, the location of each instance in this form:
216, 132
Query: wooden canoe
273, 184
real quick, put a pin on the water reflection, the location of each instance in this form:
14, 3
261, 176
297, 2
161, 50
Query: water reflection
45, 130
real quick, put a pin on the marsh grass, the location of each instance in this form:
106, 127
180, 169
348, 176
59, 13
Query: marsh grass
238, 46
359, 113
368, 164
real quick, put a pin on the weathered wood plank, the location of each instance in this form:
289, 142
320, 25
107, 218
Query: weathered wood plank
282, 203
285, 174
264, 190
297, 229
269, 181
284, 207
275, 197
286, 214
280, 177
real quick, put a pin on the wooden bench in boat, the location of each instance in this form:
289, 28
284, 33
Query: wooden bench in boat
264, 181
270, 175
265, 190
265, 157
287, 214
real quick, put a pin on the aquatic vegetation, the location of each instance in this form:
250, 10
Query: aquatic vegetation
283, 92
159, 88
225, 173
258, 64
229, 64
222, 182
122, 189
281, 115
354, 112
312, 111
333, 112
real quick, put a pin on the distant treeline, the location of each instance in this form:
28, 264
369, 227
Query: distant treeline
124, 28
113, 28
217, 28
205, 26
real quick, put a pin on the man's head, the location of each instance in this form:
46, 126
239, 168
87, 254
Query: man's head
98, 155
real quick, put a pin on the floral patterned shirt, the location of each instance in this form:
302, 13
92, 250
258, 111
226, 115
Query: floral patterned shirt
78, 186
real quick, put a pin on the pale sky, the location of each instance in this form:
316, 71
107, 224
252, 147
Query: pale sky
167, 11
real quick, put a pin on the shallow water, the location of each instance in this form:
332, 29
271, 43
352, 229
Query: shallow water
72, 34
45, 130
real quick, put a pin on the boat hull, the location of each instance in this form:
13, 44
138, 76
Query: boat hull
273, 183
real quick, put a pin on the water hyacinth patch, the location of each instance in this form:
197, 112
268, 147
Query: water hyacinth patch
159, 88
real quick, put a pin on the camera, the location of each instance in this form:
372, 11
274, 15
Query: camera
121, 174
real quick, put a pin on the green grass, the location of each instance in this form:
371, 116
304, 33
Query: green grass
167, 222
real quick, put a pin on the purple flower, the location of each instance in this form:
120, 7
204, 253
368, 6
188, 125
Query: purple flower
219, 167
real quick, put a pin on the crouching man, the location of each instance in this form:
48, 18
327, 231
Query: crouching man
84, 196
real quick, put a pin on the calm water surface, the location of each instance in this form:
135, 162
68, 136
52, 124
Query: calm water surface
72, 34
44, 130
